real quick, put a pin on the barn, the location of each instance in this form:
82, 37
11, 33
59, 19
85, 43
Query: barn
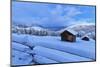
68, 35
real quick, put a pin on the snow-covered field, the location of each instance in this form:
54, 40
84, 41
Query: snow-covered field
30, 49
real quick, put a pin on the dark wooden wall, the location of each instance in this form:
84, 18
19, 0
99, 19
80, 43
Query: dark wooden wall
68, 37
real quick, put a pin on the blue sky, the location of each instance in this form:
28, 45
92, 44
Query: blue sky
51, 15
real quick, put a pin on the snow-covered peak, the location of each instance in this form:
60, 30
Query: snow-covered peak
81, 25
86, 27
37, 28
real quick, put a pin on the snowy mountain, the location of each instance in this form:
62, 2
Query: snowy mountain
86, 27
41, 44
82, 29
34, 30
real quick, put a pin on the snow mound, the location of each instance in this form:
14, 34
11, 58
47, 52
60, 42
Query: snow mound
20, 58
50, 49
20, 47
80, 47
43, 60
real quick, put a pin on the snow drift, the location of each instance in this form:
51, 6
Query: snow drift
80, 47
58, 55
21, 58
43, 60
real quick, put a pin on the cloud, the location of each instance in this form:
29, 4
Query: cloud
61, 16
72, 11
47, 15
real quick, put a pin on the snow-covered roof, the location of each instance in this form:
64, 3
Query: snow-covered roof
72, 31
85, 36
67, 29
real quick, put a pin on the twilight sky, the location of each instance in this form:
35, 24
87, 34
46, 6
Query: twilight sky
51, 15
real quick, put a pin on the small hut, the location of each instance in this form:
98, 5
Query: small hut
86, 38
68, 35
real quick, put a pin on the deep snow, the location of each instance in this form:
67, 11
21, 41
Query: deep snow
43, 60
20, 47
21, 58
51, 48
80, 47
58, 55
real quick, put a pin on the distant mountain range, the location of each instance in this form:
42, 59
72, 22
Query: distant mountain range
81, 29
87, 27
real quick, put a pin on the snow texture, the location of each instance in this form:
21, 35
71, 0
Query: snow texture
20, 58
22, 39
58, 55
20, 47
50, 49
43, 60
80, 47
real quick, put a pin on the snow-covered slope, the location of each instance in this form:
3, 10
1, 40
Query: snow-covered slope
87, 27
28, 41
57, 55
50, 49
79, 47
20, 47
34, 30
82, 29
43, 60
21, 58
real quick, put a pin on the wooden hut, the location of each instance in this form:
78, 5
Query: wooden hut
86, 38
68, 35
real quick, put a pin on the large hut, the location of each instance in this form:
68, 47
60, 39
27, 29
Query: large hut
68, 35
